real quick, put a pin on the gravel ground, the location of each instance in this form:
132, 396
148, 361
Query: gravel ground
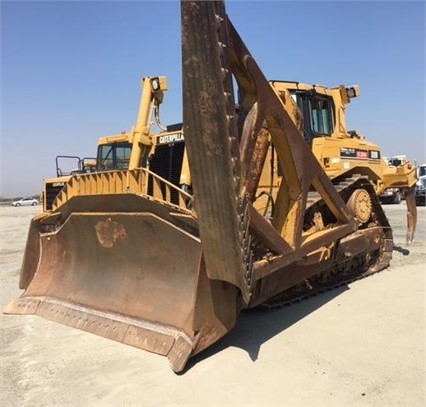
359, 345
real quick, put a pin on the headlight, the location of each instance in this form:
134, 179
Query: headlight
155, 83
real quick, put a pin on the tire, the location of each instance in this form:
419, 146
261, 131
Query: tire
33, 204
18, 204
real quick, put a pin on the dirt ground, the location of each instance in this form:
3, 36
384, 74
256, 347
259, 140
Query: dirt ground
360, 345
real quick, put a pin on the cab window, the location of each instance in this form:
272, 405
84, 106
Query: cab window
321, 115
318, 114
114, 156
123, 157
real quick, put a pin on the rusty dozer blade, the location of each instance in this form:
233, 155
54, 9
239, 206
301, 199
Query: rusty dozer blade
135, 277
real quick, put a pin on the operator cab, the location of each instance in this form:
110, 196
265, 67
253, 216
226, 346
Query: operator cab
322, 108
114, 152
113, 156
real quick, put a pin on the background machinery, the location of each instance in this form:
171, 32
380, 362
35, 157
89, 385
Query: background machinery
256, 204
66, 166
421, 185
394, 195
114, 152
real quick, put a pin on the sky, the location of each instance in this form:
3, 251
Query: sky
71, 70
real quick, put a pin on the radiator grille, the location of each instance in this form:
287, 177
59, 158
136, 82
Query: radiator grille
167, 163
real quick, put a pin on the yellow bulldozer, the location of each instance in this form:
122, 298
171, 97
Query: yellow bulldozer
260, 197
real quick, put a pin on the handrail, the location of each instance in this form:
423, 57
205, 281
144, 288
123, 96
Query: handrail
140, 181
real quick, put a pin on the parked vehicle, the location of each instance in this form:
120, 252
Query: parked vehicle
391, 196
421, 185
26, 202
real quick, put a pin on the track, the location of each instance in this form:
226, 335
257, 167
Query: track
343, 271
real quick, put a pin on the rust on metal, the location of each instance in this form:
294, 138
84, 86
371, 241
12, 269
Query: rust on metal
109, 231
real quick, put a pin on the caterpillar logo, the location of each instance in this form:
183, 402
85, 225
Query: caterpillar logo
171, 138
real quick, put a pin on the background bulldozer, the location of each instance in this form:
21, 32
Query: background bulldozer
249, 203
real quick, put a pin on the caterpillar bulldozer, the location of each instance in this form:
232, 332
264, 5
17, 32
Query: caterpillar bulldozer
66, 165
115, 151
260, 197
